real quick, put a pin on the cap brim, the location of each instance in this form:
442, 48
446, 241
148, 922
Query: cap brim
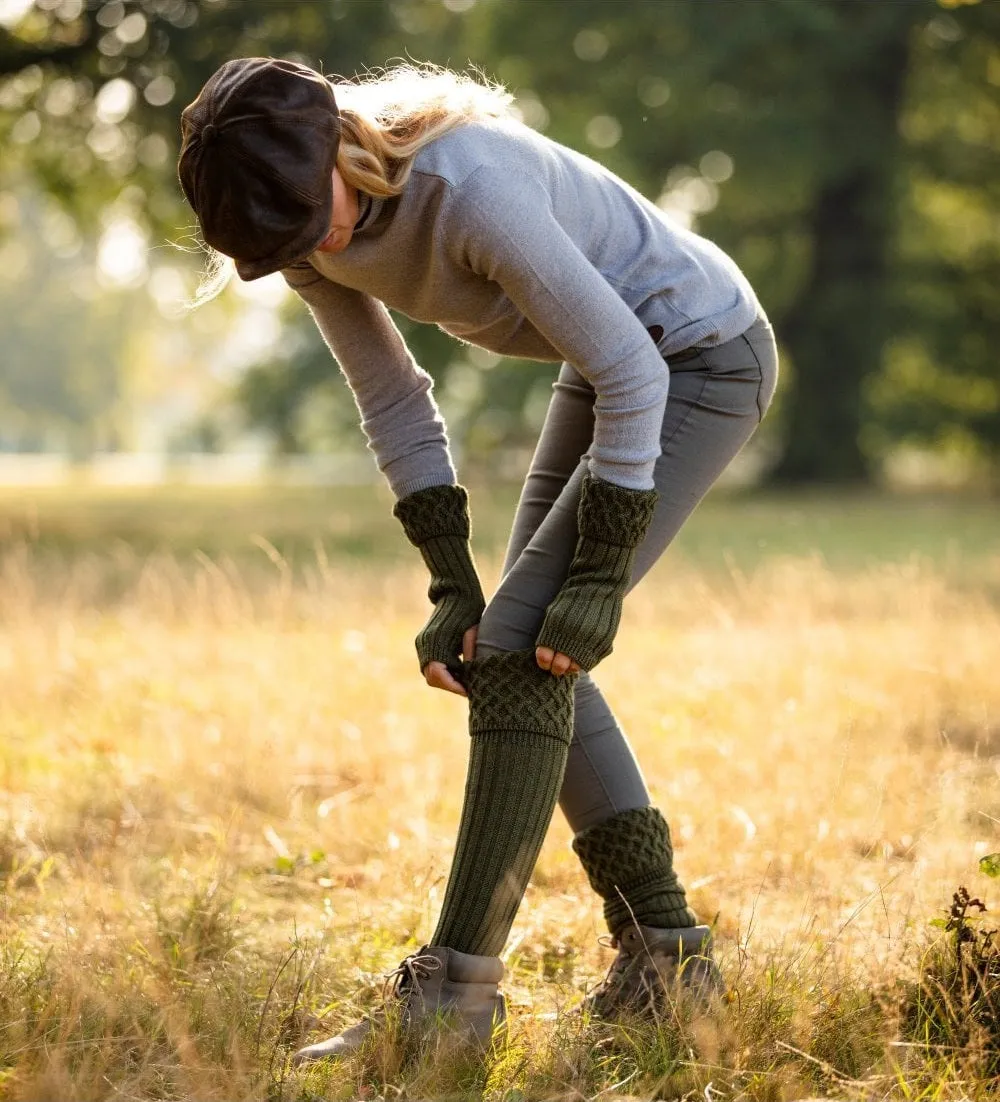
313, 234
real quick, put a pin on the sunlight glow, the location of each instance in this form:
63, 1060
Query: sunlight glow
13, 10
169, 291
121, 255
269, 292
603, 131
114, 101
688, 192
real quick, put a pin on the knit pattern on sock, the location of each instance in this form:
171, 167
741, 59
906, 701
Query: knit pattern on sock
510, 693
521, 723
629, 863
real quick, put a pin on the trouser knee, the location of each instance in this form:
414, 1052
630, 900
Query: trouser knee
503, 628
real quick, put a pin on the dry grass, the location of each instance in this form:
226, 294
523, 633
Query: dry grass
227, 805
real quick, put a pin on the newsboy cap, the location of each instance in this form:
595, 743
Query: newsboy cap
258, 149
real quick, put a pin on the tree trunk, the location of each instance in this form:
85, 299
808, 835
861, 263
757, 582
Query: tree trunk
835, 331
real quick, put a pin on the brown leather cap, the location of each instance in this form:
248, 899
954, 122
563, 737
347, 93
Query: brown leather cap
258, 149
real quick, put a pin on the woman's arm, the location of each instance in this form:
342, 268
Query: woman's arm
510, 235
503, 228
393, 393
407, 434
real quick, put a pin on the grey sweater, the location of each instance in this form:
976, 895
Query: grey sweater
507, 240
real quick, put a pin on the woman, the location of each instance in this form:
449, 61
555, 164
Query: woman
418, 190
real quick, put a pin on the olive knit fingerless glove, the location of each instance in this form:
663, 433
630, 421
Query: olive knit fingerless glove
583, 619
436, 522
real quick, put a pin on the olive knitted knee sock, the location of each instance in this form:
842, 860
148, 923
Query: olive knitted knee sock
521, 723
629, 861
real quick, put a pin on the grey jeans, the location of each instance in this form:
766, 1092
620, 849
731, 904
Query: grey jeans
717, 398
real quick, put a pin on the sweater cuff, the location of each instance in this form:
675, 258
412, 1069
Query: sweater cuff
630, 476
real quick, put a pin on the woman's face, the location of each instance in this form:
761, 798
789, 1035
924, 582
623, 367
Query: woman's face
345, 214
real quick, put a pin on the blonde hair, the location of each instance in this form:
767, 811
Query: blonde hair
387, 116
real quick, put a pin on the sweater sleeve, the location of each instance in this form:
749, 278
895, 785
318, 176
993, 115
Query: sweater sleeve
394, 395
506, 231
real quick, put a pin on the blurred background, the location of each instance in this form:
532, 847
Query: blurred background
846, 154
221, 777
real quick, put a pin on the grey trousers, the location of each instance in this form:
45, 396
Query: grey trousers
717, 398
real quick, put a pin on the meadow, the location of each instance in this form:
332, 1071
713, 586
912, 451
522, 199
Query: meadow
228, 801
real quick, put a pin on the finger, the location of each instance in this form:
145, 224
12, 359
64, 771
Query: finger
452, 685
544, 656
438, 676
574, 667
561, 664
469, 643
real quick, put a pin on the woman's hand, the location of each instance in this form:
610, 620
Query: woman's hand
556, 663
437, 674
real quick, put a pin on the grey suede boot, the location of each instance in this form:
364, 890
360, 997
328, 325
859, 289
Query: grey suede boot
435, 980
654, 968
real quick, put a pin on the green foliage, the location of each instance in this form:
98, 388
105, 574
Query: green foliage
42, 404
953, 1009
197, 930
845, 154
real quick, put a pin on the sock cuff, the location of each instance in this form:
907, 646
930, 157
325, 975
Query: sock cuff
631, 849
666, 910
510, 693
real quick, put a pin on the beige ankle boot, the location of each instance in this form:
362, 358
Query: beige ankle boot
653, 968
435, 980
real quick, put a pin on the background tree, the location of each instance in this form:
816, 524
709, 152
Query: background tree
844, 153
940, 381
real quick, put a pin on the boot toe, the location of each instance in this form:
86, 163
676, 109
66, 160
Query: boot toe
334, 1048
435, 986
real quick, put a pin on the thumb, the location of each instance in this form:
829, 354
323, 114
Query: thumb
469, 643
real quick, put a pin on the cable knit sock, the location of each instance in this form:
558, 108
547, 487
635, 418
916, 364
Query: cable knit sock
521, 723
629, 861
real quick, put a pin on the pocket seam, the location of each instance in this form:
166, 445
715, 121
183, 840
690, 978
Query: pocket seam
760, 377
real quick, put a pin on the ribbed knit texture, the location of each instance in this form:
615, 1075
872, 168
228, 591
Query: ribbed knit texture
436, 521
521, 723
629, 861
583, 619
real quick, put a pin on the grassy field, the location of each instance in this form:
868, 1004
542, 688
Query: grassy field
227, 801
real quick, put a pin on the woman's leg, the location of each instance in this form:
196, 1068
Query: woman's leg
599, 748
520, 721
716, 400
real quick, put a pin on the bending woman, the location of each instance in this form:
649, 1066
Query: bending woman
418, 190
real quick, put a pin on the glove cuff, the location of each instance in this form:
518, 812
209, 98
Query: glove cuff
614, 514
435, 511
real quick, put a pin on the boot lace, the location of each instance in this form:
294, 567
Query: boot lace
407, 975
632, 981
616, 973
